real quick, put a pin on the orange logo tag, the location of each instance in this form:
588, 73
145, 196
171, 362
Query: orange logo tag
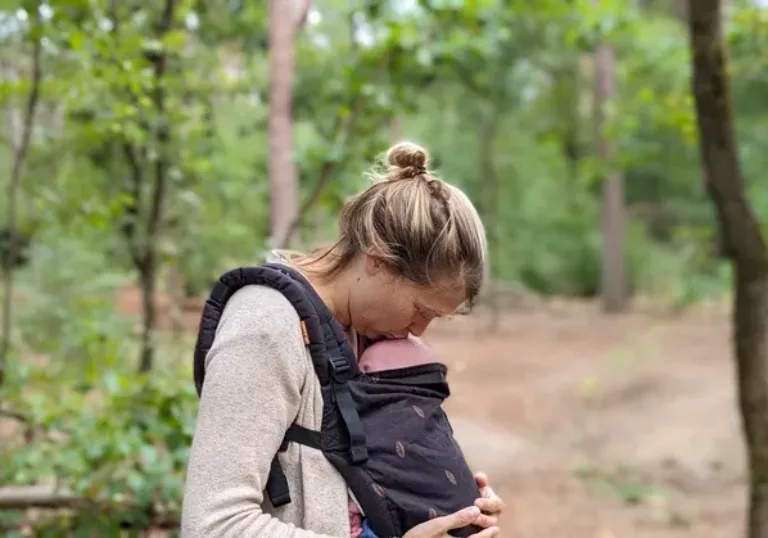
304, 333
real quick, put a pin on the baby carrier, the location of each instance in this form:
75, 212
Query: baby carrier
386, 433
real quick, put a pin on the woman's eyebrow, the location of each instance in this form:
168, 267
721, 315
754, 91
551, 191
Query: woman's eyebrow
462, 309
423, 309
428, 310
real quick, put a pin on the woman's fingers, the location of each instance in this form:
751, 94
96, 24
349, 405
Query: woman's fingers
490, 532
486, 521
439, 526
489, 502
491, 505
481, 479
484, 514
457, 520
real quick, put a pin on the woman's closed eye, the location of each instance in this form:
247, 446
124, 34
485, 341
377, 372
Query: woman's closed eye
422, 313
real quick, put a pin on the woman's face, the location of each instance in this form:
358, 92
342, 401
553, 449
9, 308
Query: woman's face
382, 305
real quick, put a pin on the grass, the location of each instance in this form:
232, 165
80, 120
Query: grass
620, 482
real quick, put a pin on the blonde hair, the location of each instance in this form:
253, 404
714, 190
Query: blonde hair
425, 230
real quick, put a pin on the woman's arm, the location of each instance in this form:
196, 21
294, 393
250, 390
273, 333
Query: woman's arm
254, 374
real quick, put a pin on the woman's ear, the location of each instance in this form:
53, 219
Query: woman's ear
374, 264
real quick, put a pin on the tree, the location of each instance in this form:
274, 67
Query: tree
20, 150
613, 267
144, 250
743, 244
129, 121
283, 180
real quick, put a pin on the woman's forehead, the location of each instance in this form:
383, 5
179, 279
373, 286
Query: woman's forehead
441, 301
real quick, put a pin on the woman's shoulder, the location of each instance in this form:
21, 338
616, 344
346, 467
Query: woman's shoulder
260, 310
258, 321
260, 301
262, 316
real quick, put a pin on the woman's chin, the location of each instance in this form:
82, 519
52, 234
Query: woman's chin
376, 337
394, 337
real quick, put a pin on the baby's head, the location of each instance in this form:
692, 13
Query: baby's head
393, 354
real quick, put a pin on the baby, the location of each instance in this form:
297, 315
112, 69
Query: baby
377, 357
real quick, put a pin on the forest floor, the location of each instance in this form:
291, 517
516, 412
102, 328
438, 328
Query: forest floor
595, 426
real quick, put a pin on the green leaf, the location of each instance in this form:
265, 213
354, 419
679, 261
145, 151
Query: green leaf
175, 40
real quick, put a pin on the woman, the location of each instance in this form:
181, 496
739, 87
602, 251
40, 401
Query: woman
412, 248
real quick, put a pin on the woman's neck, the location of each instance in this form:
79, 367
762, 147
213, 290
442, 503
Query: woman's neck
333, 290
335, 295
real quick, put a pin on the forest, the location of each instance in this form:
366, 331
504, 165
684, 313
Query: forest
612, 147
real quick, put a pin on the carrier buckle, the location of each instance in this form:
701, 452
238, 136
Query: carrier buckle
339, 366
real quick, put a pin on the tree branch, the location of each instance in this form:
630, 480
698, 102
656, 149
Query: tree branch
132, 211
742, 239
328, 170
137, 178
303, 12
49, 497
31, 430
163, 136
24, 497
15, 415
19, 159
465, 76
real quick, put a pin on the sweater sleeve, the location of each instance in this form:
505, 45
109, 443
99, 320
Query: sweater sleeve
254, 375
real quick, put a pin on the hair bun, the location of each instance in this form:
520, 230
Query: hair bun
411, 158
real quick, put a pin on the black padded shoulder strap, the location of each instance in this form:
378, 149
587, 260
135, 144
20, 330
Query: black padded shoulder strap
336, 340
332, 356
337, 367
266, 275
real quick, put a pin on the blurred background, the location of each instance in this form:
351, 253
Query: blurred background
146, 147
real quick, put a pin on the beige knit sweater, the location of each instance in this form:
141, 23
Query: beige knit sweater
259, 379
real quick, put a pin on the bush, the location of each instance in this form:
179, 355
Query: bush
68, 309
123, 445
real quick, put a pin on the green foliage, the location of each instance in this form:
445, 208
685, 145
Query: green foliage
121, 445
68, 311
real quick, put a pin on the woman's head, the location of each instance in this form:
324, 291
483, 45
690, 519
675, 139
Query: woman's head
412, 248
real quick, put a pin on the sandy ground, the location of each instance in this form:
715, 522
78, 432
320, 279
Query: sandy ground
601, 427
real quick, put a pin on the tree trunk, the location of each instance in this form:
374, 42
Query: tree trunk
147, 278
283, 180
20, 149
396, 128
570, 80
613, 267
743, 243
149, 260
175, 284
342, 129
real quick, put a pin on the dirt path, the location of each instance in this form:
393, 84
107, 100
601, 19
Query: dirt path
601, 427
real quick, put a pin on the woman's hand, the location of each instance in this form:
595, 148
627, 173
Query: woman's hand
439, 526
489, 503
484, 514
